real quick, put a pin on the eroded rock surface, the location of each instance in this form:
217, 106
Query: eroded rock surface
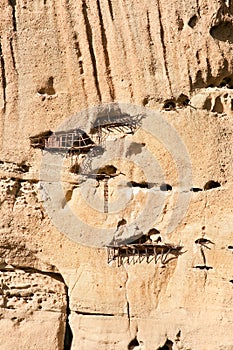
59, 58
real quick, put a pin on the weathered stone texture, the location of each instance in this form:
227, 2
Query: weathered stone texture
58, 58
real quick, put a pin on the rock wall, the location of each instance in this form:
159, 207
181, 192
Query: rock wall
174, 61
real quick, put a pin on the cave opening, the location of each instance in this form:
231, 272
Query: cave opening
133, 344
211, 184
167, 346
165, 187
169, 105
195, 189
193, 21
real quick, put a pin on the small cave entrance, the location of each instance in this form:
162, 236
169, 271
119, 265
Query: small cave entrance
142, 184
218, 106
223, 31
195, 189
48, 89
193, 21
167, 346
121, 222
211, 184
183, 100
165, 187
133, 344
169, 105
226, 82
203, 267
107, 171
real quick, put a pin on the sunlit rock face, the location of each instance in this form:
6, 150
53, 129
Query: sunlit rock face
149, 84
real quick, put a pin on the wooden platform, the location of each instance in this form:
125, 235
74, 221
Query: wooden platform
136, 253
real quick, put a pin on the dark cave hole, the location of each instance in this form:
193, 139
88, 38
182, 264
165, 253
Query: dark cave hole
107, 170
153, 231
167, 346
203, 267
193, 21
165, 187
211, 184
183, 100
195, 189
48, 89
75, 169
169, 105
203, 240
226, 82
230, 247
223, 31
142, 184
133, 344
145, 101
121, 222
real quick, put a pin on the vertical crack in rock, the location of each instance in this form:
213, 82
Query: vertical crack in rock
106, 56
153, 61
68, 332
198, 7
91, 48
12, 54
110, 9
3, 77
126, 295
12, 3
164, 47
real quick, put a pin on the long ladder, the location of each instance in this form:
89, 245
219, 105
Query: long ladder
106, 195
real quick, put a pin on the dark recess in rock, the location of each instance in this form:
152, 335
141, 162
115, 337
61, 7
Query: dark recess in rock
211, 184
207, 104
226, 82
165, 187
133, 344
142, 184
218, 106
167, 346
183, 100
193, 21
195, 189
121, 222
169, 105
68, 332
223, 31
203, 267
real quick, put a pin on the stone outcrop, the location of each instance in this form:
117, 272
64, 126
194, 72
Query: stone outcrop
171, 63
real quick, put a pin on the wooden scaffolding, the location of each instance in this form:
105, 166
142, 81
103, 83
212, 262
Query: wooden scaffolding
132, 253
123, 123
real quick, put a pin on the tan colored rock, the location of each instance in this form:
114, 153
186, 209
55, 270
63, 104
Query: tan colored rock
66, 58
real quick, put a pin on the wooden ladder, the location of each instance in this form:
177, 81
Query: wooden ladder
106, 195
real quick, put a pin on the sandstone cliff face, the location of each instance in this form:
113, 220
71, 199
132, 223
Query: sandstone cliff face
173, 61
